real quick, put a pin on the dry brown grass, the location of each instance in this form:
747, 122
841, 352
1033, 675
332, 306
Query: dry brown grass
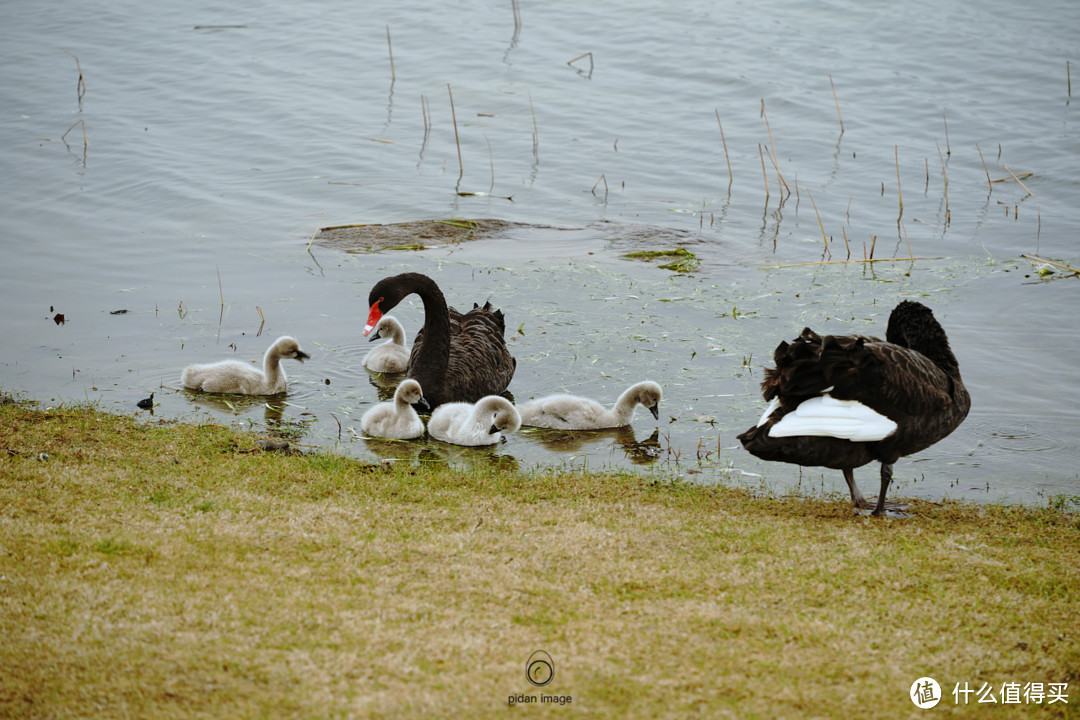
161, 572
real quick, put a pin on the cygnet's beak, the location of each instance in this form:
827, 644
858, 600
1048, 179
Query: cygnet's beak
655, 410
302, 356
493, 430
375, 337
373, 318
423, 402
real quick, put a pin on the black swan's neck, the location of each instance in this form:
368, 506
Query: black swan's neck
434, 352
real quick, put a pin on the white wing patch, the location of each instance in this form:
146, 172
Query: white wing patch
768, 411
827, 417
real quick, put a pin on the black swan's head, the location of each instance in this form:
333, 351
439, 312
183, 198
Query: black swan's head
390, 291
913, 325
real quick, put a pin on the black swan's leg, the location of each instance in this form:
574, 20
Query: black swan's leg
857, 500
886, 478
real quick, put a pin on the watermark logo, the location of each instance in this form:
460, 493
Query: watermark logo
540, 669
925, 693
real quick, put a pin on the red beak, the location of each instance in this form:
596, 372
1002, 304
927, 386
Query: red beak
373, 318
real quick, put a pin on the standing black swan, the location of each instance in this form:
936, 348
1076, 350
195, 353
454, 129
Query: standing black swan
845, 400
455, 357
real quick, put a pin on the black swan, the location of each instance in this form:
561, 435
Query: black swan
846, 400
455, 357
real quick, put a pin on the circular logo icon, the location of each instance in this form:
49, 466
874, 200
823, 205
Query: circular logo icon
540, 669
925, 693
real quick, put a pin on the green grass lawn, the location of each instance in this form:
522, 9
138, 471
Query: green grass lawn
178, 571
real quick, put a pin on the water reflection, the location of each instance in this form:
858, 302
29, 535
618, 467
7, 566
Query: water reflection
578, 441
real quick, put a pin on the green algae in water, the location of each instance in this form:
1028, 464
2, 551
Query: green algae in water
685, 261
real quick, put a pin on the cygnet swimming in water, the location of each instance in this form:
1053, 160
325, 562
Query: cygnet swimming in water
392, 356
233, 376
570, 412
397, 419
480, 424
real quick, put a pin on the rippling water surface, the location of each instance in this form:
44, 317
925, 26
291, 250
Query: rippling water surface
219, 138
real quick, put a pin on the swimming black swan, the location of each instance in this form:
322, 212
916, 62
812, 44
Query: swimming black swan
480, 424
392, 356
570, 412
233, 376
455, 357
843, 401
396, 419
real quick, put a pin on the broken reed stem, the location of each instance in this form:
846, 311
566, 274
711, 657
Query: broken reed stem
873, 244
517, 18
536, 130
453, 114
424, 112
948, 150
837, 105
763, 175
588, 55
846, 246
491, 159
80, 87
988, 182
899, 192
944, 175
724, 140
1068, 78
819, 220
1017, 179
321, 218
393, 75
906, 238
773, 156
843, 262
80, 120
779, 178
1050, 262
261, 318
604, 179
220, 291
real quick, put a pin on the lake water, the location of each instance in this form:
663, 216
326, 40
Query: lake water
219, 138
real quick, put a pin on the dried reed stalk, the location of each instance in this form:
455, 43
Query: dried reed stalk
393, 75
988, 180
763, 175
837, 105
536, 130
1017, 179
724, 140
453, 114
773, 156
844, 262
1050, 262
946, 176
818, 220
899, 192
80, 120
